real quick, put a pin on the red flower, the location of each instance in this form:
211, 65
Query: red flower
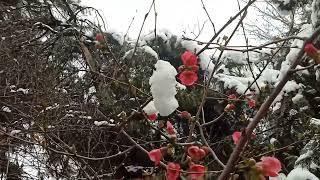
155, 156
170, 128
152, 117
196, 153
310, 49
173, 171
313, 52
236, 137
232, 96
185, 115
188, 78
229, 107
251, 103
270, 166
100, 37
196, 171
189, 59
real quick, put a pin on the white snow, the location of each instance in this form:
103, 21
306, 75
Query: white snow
297, 98
181, 86
6, 109
14, 132
150, 108
276, 107
150, 51
163, 88
306, 155
315, 121
101, 123
24, 91
273, 140
301, 174
315, 13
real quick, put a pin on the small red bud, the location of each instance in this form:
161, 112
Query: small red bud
100, 37
310, 49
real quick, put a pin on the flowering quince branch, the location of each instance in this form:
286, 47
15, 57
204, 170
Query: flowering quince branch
261, 113
206, 87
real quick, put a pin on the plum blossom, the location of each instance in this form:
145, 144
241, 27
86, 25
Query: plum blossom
236, 137
152, 117
196, 171
196, 153
170, 129
185, 115
189, 59
270, 166
229, 107
188, 71
313, 52
155, 156
251, 103
99, 37
173, 171
188, 78
232, 96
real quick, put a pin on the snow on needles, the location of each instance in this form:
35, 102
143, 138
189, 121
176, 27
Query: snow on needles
163, 88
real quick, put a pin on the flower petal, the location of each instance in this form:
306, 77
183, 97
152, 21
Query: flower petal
188, 78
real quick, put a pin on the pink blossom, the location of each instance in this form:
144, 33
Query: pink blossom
196, 153
188, 78
310, 49
155, 156
189, 59
232, 96
173, 171
229, 107
152, 117
270, 166
251, 103
236, 137
196, 171
184, 114
99, 37
170, 128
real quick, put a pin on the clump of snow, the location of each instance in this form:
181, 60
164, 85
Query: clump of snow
306, 155
150, 108
26, 126
315, 121
181, 86
14, 132
24, 91
6, 109
103, 123
150, 51
163, 87
302, 72
276, 107
301, 174
315, 13
273, 140
238, 57
289, 87
306, 31
297, 98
